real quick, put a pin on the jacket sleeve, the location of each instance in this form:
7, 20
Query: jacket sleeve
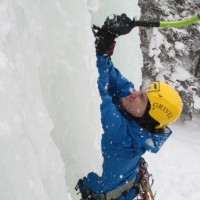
151, 142
154, 141
118, 85
111, 119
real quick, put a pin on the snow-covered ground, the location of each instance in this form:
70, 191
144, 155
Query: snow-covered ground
176, 166
50, 122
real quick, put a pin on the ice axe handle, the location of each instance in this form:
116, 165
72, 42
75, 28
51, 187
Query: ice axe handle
169, 24
147, 23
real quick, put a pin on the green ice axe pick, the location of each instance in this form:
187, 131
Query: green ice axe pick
169, 24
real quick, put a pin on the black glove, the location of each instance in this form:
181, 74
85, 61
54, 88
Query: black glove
104, 42
117, 25
112, 28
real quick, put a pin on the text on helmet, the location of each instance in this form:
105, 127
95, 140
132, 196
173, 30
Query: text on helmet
163, 108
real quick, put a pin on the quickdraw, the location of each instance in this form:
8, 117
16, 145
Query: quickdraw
144, 185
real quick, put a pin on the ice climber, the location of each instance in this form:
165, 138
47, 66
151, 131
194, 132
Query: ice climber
133, 121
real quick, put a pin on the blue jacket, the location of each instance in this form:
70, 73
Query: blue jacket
123, 141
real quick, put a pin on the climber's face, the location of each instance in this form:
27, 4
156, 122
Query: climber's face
135, 103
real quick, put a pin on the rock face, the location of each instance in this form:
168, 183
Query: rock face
173, 54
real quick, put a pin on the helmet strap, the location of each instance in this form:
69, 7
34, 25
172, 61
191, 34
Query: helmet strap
146, 121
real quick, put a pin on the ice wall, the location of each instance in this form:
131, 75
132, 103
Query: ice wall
50, 127
30, 163
68, 78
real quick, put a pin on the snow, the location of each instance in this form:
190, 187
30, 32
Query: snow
157, 39
179, 45
196, 102
180, 74
150, 142
176, 167
50, 127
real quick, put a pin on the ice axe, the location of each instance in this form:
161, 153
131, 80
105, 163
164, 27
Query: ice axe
169, 24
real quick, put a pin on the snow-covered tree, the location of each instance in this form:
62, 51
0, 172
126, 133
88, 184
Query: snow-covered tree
173, 54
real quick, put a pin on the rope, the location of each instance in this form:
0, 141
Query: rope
144, 187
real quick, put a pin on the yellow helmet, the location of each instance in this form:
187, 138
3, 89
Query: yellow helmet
166, 104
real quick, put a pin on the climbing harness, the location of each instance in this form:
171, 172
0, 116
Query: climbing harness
144, 185
111, 195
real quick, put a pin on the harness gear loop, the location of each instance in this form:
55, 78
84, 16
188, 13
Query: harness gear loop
87, 194
144, 185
